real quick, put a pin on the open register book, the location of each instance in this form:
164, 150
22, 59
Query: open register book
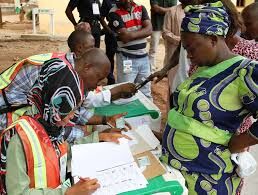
112, 164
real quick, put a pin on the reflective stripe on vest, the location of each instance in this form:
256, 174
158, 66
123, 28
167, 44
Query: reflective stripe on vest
13, 116
8, 75
193, 127
38, 156
41, 157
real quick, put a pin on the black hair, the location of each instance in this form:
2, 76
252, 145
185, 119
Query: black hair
251, 9
77, 36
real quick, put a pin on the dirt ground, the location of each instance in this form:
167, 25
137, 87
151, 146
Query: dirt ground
12, 49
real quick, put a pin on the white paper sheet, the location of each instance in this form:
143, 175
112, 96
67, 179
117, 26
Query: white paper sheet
120, 179
87, 159
112, 164
132, 135
143, 139
145, 132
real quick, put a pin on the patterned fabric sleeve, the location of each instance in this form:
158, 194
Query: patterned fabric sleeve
248, 90
247, 48
84, 115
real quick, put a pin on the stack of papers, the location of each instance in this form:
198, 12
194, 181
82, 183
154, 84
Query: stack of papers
112, 164
143, 139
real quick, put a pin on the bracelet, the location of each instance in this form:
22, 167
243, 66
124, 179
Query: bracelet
104, 120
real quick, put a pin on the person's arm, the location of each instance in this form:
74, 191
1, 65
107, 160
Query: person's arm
145, 31
239, 142
107, 120
163, 72
167, 33
155, 8
126, 36
249, 96
69, 11
102, 137
104, 10
105, 25
105, 97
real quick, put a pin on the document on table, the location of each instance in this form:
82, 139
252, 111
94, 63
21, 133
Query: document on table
143, 139
112, 164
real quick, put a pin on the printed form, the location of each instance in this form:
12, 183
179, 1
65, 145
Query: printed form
112, 164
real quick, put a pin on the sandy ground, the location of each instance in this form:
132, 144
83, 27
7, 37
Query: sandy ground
12, 49
15, 50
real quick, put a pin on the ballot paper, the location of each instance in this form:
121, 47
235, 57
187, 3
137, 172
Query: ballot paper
143, 139
112, 164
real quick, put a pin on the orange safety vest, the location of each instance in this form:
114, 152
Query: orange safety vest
42, 161
8, 76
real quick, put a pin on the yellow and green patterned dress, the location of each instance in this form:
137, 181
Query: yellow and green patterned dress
209, 108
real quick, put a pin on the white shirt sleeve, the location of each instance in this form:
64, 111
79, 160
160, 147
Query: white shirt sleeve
100, 99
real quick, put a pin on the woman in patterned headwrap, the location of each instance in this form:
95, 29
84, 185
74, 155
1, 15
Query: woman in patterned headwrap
211, 105
56, 95
33, 150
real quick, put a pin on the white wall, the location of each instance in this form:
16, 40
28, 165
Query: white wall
62, 25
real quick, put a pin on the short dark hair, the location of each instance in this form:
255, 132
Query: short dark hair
77, 36
251, 9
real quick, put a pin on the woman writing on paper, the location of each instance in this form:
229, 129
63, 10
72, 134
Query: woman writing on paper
33, 151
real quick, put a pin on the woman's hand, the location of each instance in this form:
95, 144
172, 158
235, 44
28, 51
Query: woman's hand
159, 75
111, 120
238, 143
112, 137
85, 186
112, 130
125, 90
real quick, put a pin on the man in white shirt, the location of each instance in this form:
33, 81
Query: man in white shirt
16, 93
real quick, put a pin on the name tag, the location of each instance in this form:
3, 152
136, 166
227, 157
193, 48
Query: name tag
66, 184
95, 9
120, 123
127, 66
63, 163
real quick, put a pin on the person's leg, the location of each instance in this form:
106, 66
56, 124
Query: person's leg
97, 39
111, 45
144, 72
171, 75
125, 77
96, 32
154, 43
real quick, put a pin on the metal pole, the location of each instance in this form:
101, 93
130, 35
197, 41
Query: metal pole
1, 20
52, 23
34, 20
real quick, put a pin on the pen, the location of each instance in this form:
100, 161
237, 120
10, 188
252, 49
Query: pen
140, 85
110, 125
81, 178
